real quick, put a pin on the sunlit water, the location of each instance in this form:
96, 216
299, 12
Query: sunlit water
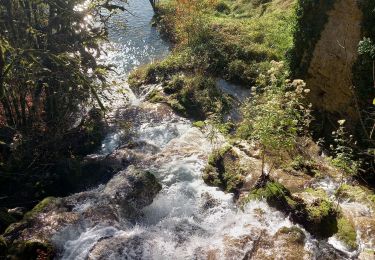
187, 219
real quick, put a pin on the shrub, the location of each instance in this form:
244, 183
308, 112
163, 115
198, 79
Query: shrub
277, 113
222, 7
343, 152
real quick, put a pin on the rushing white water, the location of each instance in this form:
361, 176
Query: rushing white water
187, 219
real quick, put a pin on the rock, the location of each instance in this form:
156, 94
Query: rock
287, 243
367, 255
292, 234
3, 247
208, 201
5, 219
356, 193
295, 182
330, 74
144, 187
224, 170
346, 233
31, 249
315, 212
311, 209
123, 196
231, 169
17, 213
358, 208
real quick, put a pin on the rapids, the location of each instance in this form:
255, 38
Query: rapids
187, 219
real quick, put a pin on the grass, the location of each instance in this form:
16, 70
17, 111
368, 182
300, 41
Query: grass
232, 40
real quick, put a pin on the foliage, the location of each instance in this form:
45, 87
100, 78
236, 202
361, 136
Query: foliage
225, 45
364, 82
276, 113
49, 77
367, 47
48, 61
343, 151
222, 7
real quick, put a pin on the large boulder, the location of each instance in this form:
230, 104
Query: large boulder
122, 197
312, 209
232, 169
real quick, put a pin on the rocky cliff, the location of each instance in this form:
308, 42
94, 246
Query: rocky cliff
332, 54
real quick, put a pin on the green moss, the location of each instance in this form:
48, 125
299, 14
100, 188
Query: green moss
5, 219
318, 217
176, 83
346, 233
3, 247
199, 124
311, 16
295, 234
31, 249
356, 193
155, 97
223, 170
319, 210
160, 71
275, 194
211, 176
40, 207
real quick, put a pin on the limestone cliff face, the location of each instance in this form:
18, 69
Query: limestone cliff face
329, 74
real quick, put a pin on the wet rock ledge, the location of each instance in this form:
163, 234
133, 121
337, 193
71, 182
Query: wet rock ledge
36, 235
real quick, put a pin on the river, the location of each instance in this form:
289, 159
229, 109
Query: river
187, 219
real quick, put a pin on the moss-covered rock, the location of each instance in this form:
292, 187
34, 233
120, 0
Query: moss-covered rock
40, 207
3, 247
294, 234
311, 209
5, 219
346, 233
316, 212
356, 193
223, 170
199, 124
30, 250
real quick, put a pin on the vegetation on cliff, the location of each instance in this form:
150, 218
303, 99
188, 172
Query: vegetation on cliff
49, 80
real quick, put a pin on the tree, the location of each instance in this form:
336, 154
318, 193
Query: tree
48, 67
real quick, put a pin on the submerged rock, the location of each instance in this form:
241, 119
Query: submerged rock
124, 195
287, 243
311, 209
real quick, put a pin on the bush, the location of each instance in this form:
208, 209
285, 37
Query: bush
276, 114
222, 7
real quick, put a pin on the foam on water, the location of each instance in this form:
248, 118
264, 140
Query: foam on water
187, 218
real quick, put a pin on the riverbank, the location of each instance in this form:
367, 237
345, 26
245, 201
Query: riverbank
232, 41
255, 188
248, 44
